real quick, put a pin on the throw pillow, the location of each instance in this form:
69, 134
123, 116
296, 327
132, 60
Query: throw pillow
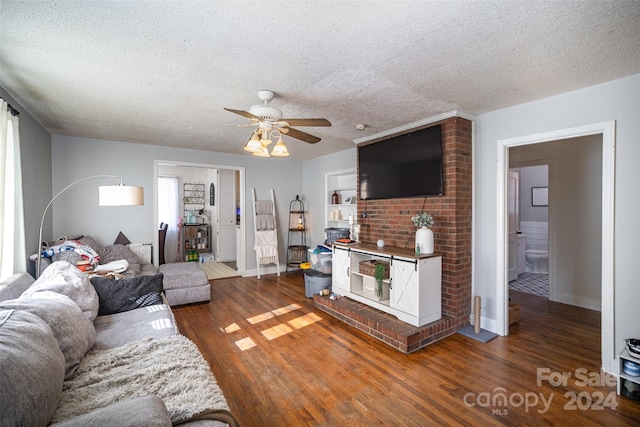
117, 252
121, 239
74, 332
31, 370
117, 296
91, 242
66, 279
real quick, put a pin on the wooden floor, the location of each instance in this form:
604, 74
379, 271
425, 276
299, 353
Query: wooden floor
280, 362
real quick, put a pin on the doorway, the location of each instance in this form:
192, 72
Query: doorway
223, 206
528, 208
606, 132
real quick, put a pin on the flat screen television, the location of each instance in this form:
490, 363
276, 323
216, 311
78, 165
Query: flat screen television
408, 165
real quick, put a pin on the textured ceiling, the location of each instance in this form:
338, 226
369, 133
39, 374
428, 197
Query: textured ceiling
160, 72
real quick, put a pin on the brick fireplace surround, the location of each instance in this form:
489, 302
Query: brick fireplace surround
390, 220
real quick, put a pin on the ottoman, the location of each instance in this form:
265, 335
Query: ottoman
184, 283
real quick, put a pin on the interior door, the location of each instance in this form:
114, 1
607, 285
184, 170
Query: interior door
513, 203
226, 202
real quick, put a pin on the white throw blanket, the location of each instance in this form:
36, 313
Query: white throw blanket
171, 368
118, 266
266, 246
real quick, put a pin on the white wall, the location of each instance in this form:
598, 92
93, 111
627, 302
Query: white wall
77, 210
533, 176
313, 183
617, 100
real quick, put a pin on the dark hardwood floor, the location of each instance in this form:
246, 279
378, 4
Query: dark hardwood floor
281, 362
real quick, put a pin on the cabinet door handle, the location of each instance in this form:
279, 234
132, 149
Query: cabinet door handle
348, 268
390, 282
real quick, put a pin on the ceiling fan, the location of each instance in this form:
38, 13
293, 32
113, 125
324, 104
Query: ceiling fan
269, 121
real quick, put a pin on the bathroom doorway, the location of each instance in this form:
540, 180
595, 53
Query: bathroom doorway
589, 230
529, 211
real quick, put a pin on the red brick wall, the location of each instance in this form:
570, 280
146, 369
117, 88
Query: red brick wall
390, 219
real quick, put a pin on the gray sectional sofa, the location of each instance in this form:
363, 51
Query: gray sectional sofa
184, 282
75, 352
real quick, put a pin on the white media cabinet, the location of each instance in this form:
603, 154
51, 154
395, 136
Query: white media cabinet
415, 283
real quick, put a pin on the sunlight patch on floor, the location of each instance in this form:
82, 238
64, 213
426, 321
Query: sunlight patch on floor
271, 314
306, 320
276, 331
245, 344
260, 317
232, 328
284, 310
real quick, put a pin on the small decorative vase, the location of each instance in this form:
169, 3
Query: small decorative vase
424, 239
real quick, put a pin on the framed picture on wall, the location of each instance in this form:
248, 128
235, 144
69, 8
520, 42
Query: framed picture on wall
539, 196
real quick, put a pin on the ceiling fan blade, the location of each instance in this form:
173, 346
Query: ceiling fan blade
303, 136
244, 114
307, 122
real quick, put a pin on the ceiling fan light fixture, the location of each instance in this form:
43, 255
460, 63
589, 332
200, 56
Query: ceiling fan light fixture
253, 144
265, 139
271, 125
262, 152
280, 150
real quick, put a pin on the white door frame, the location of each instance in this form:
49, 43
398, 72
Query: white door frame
240, 263
607, 130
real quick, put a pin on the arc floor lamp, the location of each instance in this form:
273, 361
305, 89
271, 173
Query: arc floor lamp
108, 195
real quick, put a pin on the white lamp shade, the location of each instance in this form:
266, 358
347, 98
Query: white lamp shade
280, 149
263, 152
120, 195
253, 144
265, 140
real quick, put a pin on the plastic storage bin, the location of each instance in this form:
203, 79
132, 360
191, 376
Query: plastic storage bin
320, 261
315, 281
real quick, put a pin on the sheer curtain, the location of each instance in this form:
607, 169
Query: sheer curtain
168, 212
13, 254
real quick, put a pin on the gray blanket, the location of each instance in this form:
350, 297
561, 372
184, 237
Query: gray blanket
171, 368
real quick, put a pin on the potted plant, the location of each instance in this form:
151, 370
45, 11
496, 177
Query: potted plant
378, 274
424, 235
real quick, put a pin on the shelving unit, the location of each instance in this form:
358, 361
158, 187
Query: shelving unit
297, 240
192, 198
621, 374
196, 239
342, 183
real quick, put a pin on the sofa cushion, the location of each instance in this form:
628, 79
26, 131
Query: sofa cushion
147, 411
31, 370
73, 331
14, 286
115, 330
66, 279
116, 296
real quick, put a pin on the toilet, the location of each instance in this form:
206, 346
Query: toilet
536, 254
536, 261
